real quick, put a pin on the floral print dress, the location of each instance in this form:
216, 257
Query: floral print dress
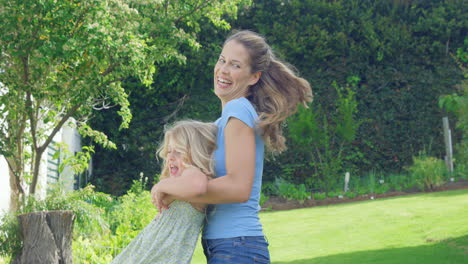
170, 238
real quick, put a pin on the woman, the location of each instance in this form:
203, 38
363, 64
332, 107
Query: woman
257, 92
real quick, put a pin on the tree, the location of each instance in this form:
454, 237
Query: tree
179, 91
66, 59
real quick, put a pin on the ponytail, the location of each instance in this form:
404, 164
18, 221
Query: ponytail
277, 93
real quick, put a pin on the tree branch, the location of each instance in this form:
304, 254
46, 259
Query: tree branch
101, 104
109, 69
64, 119
29, 110
40, 150
202, 5
17, 178
78, 20
180, 103
166, 4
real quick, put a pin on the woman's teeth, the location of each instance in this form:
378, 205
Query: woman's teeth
224, 81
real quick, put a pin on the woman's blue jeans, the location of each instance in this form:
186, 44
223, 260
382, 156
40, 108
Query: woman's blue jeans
245, 250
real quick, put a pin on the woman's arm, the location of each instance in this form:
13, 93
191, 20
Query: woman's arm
235, 186
191, 183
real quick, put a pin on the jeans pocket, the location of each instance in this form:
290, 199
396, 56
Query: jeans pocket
220, 259
237, 250
258, 249
259, 244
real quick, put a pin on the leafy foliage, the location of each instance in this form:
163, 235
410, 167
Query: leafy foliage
64, 59
396, 52
87, 205
283, 188
399, 50
10, 238
126, 218
325, 142
103, 225
179, 91
457, 103
427, 172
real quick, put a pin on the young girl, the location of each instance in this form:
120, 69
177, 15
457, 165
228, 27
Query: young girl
172, 235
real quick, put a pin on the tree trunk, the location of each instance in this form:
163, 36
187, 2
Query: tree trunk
36, 166
16, 190
14, 193
47, 237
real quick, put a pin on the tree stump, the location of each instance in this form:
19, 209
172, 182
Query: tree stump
47, 237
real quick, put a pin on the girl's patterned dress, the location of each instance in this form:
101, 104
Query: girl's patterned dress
170, 238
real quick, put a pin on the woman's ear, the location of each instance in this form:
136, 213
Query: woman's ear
254, 78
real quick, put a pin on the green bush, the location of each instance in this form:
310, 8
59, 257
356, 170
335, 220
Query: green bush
10, 240
126, 218
461, 171
398, 182
334, 194
291, 191
319, 196
91, 251
85, 203
372, 182
88, 206
377, 183
427, 172
269, 188
327, 147
134, 210
103, 225
263, 198
350, 194
457, 103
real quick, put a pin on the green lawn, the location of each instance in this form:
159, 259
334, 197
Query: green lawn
429, 228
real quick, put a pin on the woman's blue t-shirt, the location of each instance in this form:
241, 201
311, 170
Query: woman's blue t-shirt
236, 219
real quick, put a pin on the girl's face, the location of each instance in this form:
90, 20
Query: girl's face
232, 72
175, 162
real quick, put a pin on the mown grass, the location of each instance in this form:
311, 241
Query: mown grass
430, 228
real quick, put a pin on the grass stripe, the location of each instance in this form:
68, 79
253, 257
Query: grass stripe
422, 228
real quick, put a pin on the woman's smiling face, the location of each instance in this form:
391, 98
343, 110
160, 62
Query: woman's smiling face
232, 72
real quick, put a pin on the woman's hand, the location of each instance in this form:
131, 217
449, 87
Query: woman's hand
191, 184
160, 200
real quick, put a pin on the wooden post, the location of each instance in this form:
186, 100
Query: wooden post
448, 144
47, 237
346, 182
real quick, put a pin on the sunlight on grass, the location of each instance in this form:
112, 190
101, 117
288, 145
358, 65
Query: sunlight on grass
422, 228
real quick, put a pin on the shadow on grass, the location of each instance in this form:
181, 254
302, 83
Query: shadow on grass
449, 251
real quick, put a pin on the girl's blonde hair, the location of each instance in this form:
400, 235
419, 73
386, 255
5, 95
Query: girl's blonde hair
277, 93
196, 141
